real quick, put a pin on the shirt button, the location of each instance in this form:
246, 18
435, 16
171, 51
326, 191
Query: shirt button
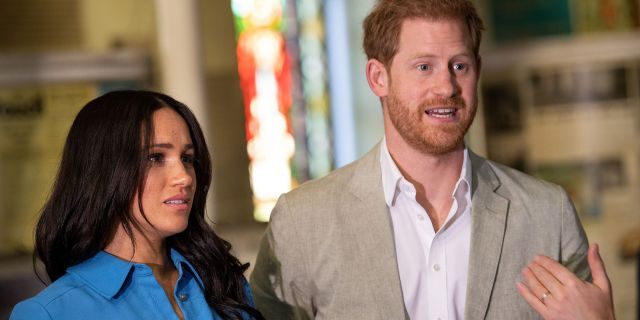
183, 297
436, 267
420, 217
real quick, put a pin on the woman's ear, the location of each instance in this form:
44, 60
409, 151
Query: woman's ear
378, 78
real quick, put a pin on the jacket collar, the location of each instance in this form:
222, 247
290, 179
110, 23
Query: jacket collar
108, 274
488, 227
375, 237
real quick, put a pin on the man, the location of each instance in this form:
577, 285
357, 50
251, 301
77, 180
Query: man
420, 227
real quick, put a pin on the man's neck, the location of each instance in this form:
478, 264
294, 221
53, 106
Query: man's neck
433, 175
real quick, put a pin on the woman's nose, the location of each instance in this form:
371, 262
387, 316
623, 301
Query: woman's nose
182, 175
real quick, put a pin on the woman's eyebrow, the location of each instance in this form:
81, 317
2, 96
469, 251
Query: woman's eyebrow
170, 146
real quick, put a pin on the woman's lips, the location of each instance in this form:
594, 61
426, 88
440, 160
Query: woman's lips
178, 203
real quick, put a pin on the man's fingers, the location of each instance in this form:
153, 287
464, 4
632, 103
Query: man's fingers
598, 271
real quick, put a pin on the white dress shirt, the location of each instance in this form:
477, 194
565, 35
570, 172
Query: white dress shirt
433, 265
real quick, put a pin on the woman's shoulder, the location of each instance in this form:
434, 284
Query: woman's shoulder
40, 306
29, 309
247, 293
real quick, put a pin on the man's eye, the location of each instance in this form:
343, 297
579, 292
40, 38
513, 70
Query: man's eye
460, 66
423, 67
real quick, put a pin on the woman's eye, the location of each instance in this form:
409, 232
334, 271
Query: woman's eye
156, 157
423, 67
187, 158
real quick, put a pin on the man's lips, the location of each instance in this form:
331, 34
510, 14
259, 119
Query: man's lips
442, 113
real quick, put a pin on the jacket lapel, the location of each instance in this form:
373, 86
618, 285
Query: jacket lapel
489, 215
375, 236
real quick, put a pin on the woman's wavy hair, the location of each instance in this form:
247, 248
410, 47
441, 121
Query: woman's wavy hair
103, 166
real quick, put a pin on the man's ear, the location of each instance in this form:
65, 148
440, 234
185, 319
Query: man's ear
378, 78
478, 66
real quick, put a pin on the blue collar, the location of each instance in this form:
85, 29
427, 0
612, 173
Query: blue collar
108, 274
180, 262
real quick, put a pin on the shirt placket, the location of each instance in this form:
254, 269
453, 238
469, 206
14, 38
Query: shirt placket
182, 296
437, 280
437, 270
159, 299
433, 253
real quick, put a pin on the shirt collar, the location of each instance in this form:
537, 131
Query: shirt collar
391, 175
182, 264
107, 274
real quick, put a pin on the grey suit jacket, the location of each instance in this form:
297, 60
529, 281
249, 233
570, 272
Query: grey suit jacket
328, 252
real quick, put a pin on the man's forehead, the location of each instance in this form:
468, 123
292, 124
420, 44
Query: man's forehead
421, 28
434, 20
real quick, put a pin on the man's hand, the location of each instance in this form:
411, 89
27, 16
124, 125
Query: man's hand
556, 293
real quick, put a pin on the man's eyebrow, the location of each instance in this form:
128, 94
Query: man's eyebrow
465, 54
419, 55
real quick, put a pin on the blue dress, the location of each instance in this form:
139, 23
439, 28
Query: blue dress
106, 287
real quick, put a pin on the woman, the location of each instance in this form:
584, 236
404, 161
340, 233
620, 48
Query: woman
123, 234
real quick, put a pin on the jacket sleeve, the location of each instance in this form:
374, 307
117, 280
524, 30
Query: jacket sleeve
574, 240
29, 310
278, 277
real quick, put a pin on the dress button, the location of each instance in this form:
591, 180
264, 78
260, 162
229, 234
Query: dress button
183, 297
436, 267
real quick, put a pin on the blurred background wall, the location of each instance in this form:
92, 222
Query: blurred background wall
280, 87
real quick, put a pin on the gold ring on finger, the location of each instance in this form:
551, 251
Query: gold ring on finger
545, 296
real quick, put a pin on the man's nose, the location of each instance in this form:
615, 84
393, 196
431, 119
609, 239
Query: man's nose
445, 84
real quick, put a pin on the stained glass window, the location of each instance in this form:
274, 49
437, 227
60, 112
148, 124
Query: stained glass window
283, 79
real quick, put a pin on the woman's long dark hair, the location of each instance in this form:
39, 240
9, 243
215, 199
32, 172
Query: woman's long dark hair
103, 166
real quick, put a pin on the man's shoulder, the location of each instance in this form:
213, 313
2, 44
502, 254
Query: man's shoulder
340, 180
325, 190
510, 173
337, 177
327, 195
514, 181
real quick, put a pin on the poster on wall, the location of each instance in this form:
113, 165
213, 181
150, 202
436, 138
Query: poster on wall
40, 95
34, 121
